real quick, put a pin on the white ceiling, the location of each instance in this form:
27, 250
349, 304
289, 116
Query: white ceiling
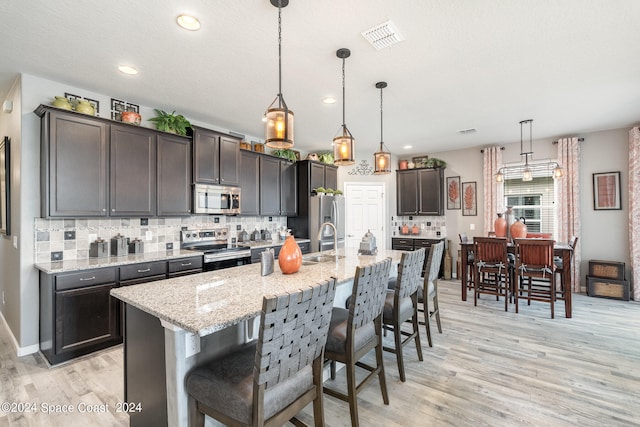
571, 65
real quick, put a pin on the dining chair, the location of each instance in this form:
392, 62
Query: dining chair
268, 382
470, 256
491, 268
401, 305
560, 268
356, 331
535, 272
428, 290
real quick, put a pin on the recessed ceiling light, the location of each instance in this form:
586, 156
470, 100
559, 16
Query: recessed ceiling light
127, 69
188, 22
408, 147
329, 100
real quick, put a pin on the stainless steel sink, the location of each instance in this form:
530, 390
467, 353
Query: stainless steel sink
314, 259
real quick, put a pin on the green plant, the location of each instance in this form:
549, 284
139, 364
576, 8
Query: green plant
170, 122
326, 157
433, 162
285, 153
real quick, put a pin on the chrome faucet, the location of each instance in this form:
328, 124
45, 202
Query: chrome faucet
335, 236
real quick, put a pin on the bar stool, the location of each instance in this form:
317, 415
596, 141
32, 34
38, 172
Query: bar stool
428, 290
358, 330
268, 382
401, 305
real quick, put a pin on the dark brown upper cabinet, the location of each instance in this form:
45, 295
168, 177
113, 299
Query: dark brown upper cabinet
249, 183
420, 192
215, 158
173, 176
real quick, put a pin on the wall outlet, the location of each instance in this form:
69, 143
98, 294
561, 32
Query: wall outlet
2, 297
148, 235
422, 226
56, 256
472, 226
270, 219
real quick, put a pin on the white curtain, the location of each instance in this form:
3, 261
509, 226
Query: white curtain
568, 201
493, 191
634, 210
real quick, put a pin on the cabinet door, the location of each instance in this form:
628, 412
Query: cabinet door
269, 186
77, 166
407, 193
249, 183
205, 156
174, 176
85, 317
316, 178
431, 199
288, 189
331, 177
133, 171
229, 159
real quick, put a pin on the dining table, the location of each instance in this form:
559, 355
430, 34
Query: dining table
561, 250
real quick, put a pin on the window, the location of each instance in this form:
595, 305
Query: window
534, 200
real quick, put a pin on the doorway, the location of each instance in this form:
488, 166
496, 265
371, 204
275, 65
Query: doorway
365, 210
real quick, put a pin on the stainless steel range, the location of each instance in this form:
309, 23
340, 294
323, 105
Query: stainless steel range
218, 253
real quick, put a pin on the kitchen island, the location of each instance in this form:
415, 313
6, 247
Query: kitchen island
173, 325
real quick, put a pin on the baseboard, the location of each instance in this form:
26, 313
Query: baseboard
20, 351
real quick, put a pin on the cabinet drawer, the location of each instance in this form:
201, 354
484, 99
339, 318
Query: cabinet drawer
424, 243
305, 247
85, 278
402, 244
184, 264
146, 269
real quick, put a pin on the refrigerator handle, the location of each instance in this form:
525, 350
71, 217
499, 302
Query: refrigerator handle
334, 215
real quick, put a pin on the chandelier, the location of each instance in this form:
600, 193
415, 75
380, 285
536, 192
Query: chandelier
528, 169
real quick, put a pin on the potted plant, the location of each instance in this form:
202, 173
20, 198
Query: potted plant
326, 157
285, 153
170, 122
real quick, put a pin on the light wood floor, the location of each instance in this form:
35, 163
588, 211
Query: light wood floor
488, 368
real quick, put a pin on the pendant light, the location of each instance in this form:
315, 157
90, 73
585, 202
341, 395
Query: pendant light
527, 169
343, 144
279, 119
381, 159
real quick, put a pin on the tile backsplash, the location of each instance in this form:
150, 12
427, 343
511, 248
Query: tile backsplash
69, 239
430, 226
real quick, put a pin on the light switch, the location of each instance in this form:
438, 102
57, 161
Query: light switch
472, 226
15, 242
148, 235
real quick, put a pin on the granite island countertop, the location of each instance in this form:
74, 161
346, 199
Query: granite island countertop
112, 261
258, 244
207, 302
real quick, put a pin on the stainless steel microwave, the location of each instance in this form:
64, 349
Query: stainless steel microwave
215, 199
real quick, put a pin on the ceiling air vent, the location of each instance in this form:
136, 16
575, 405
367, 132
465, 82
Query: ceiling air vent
466, 131
383, 35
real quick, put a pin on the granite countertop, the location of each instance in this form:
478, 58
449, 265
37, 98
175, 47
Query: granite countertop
256, 244
207, 302
112, 261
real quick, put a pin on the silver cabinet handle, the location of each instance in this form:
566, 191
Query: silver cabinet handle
113, 210
185, 265
86, 279
104, 210
144, 271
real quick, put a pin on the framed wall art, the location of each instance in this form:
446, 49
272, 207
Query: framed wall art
606, 191
469, 199
453, 193
5, 185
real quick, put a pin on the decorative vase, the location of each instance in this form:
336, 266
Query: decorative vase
61, 102
131, 117
500, 226
85, 107
519, 229
403, 164
290, 258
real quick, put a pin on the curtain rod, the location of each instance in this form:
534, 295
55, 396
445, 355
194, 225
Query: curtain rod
579, 140
501, 148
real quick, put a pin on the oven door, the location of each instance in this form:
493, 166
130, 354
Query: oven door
227, 263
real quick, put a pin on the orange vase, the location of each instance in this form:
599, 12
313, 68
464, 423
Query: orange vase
290, 258
500, 226
519, 229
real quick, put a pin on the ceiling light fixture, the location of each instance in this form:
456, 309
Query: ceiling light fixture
188, 22
381, 159
343, 144
127, 69
279, 124
527, 169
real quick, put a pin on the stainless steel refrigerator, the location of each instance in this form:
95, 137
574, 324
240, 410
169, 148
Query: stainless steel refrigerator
321, 209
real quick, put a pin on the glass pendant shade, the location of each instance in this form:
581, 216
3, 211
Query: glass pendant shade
343, 149
382, 162
499, 176
526, 174
558, 172
279, 128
